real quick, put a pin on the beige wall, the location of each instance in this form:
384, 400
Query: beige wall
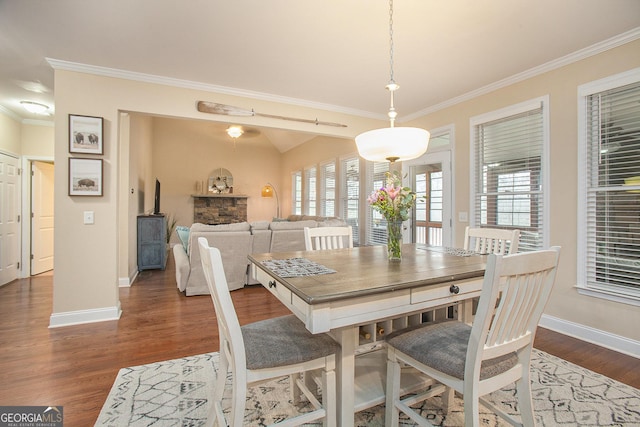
10, 135
185, 152
87, 270
189, 151
37, 140
561, 85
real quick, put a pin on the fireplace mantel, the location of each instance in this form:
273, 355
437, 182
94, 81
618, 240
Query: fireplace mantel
219, 208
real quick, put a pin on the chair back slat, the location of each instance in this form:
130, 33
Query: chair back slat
228, 325
491, 240
324, 238
515, 292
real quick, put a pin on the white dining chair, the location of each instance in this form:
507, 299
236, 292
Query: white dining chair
263, 351
479, 359
491, 240
323, 238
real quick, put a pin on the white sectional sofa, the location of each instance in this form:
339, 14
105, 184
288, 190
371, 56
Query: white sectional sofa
236, 242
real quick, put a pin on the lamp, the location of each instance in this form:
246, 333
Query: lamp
392, 143
234, 131
35, 107
268, 191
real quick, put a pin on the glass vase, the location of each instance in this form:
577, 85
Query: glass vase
394, 240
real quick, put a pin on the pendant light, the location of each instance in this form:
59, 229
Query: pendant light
392, 143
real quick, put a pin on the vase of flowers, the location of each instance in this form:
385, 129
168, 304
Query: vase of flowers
394, 202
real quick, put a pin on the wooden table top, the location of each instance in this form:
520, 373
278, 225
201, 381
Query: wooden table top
364, 271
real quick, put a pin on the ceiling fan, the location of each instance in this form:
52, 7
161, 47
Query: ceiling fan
237, 131
229, 110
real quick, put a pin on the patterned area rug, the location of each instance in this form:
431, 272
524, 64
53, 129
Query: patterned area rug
177, 393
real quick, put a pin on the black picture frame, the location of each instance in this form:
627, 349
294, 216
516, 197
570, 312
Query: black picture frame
85, 177
86, 134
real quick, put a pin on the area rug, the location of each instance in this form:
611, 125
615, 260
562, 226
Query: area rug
177, 393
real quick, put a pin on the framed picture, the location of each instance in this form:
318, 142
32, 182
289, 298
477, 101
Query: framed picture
85, 134
85, 177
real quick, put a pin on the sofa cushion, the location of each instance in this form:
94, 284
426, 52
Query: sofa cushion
332, 222
240, 226
292, 225
259, 225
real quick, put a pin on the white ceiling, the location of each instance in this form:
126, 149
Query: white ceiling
332, 54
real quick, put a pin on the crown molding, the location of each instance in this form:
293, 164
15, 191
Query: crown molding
58, 64
571, 58
10, 113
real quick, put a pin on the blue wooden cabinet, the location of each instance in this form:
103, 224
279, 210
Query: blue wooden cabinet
152, 242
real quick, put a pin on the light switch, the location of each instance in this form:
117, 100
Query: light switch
463, 217
88, 217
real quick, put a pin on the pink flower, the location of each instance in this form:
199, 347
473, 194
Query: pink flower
393, 191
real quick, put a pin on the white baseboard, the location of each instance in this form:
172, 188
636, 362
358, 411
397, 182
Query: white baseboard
595, 336
126, 282
79, 317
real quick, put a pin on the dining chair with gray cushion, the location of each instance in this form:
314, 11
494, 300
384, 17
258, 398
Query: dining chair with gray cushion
323, 238
264, 351
490, 354
491, 240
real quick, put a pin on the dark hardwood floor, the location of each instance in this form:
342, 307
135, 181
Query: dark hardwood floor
75, 366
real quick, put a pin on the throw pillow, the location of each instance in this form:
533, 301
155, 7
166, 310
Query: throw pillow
183, 234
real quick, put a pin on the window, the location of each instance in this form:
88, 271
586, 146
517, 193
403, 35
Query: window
609, 141
328, 189
296, 190
377, 230
508, 158
310, 190
350, 194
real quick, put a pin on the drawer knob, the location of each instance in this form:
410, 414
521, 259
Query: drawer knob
272, 283
454, 289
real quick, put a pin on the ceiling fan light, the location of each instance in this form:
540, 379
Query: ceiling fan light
392, 144
234, 131
35, 107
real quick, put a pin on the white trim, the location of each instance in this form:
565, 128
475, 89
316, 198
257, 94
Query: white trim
595, 336
127, 282
80, 317
512, 110
58, 64
585, 90
25, 212
571, 58
442, 155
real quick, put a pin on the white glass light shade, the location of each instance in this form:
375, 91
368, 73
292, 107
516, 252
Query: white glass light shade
35, 107
393, 144
234, 131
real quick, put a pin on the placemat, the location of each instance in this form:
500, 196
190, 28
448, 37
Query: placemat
296, 267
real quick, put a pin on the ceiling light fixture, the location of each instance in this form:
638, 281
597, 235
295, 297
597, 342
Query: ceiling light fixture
35, 107
234, 131
392, 143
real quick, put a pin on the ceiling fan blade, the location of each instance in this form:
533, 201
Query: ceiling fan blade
229, 110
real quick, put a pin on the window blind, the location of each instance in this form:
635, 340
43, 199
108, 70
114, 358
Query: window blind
508, 187
350, 194
377, 230
328, 189
296, 190
310, 191
613, 190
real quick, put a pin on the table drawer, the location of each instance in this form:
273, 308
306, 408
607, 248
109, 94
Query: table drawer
276, 288
437, 293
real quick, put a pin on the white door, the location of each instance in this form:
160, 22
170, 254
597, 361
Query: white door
42, 217
9, 218
435, 171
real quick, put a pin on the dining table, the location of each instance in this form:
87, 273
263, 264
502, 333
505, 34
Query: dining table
358, 297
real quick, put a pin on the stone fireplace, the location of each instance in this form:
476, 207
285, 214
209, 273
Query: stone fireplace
219, 208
